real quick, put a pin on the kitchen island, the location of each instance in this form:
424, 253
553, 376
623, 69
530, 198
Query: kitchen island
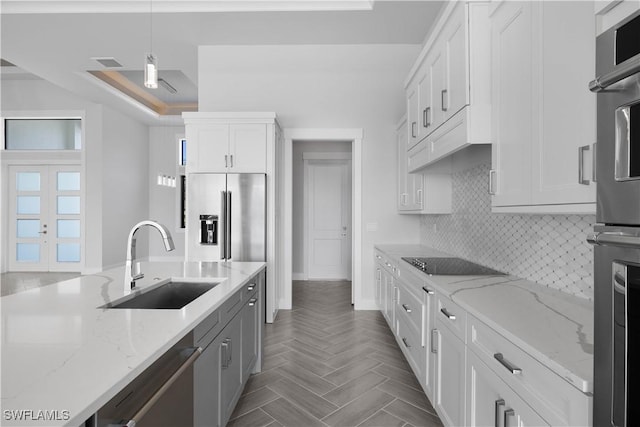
64, 355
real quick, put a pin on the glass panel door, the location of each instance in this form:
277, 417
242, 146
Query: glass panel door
28, 210
45, 218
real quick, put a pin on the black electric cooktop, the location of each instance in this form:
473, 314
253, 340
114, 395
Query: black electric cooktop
451, 267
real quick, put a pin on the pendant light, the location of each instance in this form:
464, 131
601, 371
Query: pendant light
150, 60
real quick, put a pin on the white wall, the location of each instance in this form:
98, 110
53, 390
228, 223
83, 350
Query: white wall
164, 202
125, 186
326, 86
299, 147
109, 156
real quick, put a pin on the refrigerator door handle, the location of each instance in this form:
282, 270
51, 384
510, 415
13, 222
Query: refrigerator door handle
228, 226
223, 234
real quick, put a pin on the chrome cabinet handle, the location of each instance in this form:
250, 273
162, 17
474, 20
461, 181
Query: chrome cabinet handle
594, 162
621, 71
426, 117
406, 308
419, 193
434, 339
163, 389
448, 314
443, 96
614, 239
251, 287
508, 414
428, 291
225, 353
581, 179
504, 362
379, 273
499, 404
252, 302
492, 174
226, 160
413, 129
231, 158
406, 344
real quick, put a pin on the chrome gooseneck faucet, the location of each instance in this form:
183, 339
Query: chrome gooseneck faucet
132, 269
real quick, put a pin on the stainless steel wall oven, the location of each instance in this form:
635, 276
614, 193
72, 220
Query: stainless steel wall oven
617, 232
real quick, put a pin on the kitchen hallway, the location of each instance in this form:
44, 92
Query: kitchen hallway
326, 364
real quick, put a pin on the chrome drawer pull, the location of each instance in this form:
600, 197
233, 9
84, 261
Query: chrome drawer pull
499, 404
406, 344
512, 368
406, 308
449, 315
508, 414
252, 302
433, 341
428, 291
251, 287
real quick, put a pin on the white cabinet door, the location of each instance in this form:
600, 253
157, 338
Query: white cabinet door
428, 319
513, 97
401, 150
435, 69
230, 367
543, 116
247, 148
250, 335
490, 402
413, 100
208, 147
568, 108
450, 377
455, 92
425, 110
378, 276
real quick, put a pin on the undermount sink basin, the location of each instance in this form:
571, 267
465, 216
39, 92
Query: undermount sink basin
171, 295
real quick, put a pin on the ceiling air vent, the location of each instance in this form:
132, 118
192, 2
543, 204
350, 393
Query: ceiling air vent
108, 62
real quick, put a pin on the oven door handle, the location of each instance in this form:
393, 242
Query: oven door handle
614, 239
620, 72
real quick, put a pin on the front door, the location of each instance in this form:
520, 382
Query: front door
329, 219
45, 220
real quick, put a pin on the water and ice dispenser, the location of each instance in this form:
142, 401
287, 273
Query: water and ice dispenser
208, 229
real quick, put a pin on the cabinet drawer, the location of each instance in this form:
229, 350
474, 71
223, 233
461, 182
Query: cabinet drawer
553, 398
411, 306
451, 315
409, 340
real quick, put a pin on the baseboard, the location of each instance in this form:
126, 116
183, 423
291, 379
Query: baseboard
284, 304
299, 276
368, 304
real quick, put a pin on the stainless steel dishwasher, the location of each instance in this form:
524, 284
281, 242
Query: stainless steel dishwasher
162, 396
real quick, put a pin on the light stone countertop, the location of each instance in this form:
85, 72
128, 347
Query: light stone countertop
62, 352
553, 327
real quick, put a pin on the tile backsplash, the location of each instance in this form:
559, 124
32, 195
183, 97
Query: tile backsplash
548, 249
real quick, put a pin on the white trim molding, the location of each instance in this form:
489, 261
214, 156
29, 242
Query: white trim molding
355, 136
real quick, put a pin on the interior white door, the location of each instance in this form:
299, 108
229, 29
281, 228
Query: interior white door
45, 218
329, 219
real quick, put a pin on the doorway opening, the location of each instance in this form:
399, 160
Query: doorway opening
322, 208
322, 243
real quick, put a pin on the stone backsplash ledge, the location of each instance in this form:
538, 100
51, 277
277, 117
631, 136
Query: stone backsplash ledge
548, 249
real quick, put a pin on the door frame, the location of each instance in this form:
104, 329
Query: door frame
354, 136
307, 158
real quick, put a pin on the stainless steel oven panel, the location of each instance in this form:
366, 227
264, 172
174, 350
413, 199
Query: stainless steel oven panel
616, 326
618, 148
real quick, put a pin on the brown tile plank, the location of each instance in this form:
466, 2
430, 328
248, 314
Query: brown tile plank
289, 415
359, 409
305, 399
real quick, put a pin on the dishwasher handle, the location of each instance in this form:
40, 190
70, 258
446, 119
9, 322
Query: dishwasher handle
163, 389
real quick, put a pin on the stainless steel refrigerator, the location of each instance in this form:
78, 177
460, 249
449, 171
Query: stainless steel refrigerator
226, 217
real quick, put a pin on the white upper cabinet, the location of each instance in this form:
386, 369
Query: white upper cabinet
451, 81
544, 116
231, 148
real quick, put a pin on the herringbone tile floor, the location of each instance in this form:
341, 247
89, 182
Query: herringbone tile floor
328, 365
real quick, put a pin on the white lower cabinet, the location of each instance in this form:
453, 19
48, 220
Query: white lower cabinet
473, 375
449, 376
490, 402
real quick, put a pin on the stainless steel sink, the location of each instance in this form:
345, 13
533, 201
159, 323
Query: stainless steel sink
171, 295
